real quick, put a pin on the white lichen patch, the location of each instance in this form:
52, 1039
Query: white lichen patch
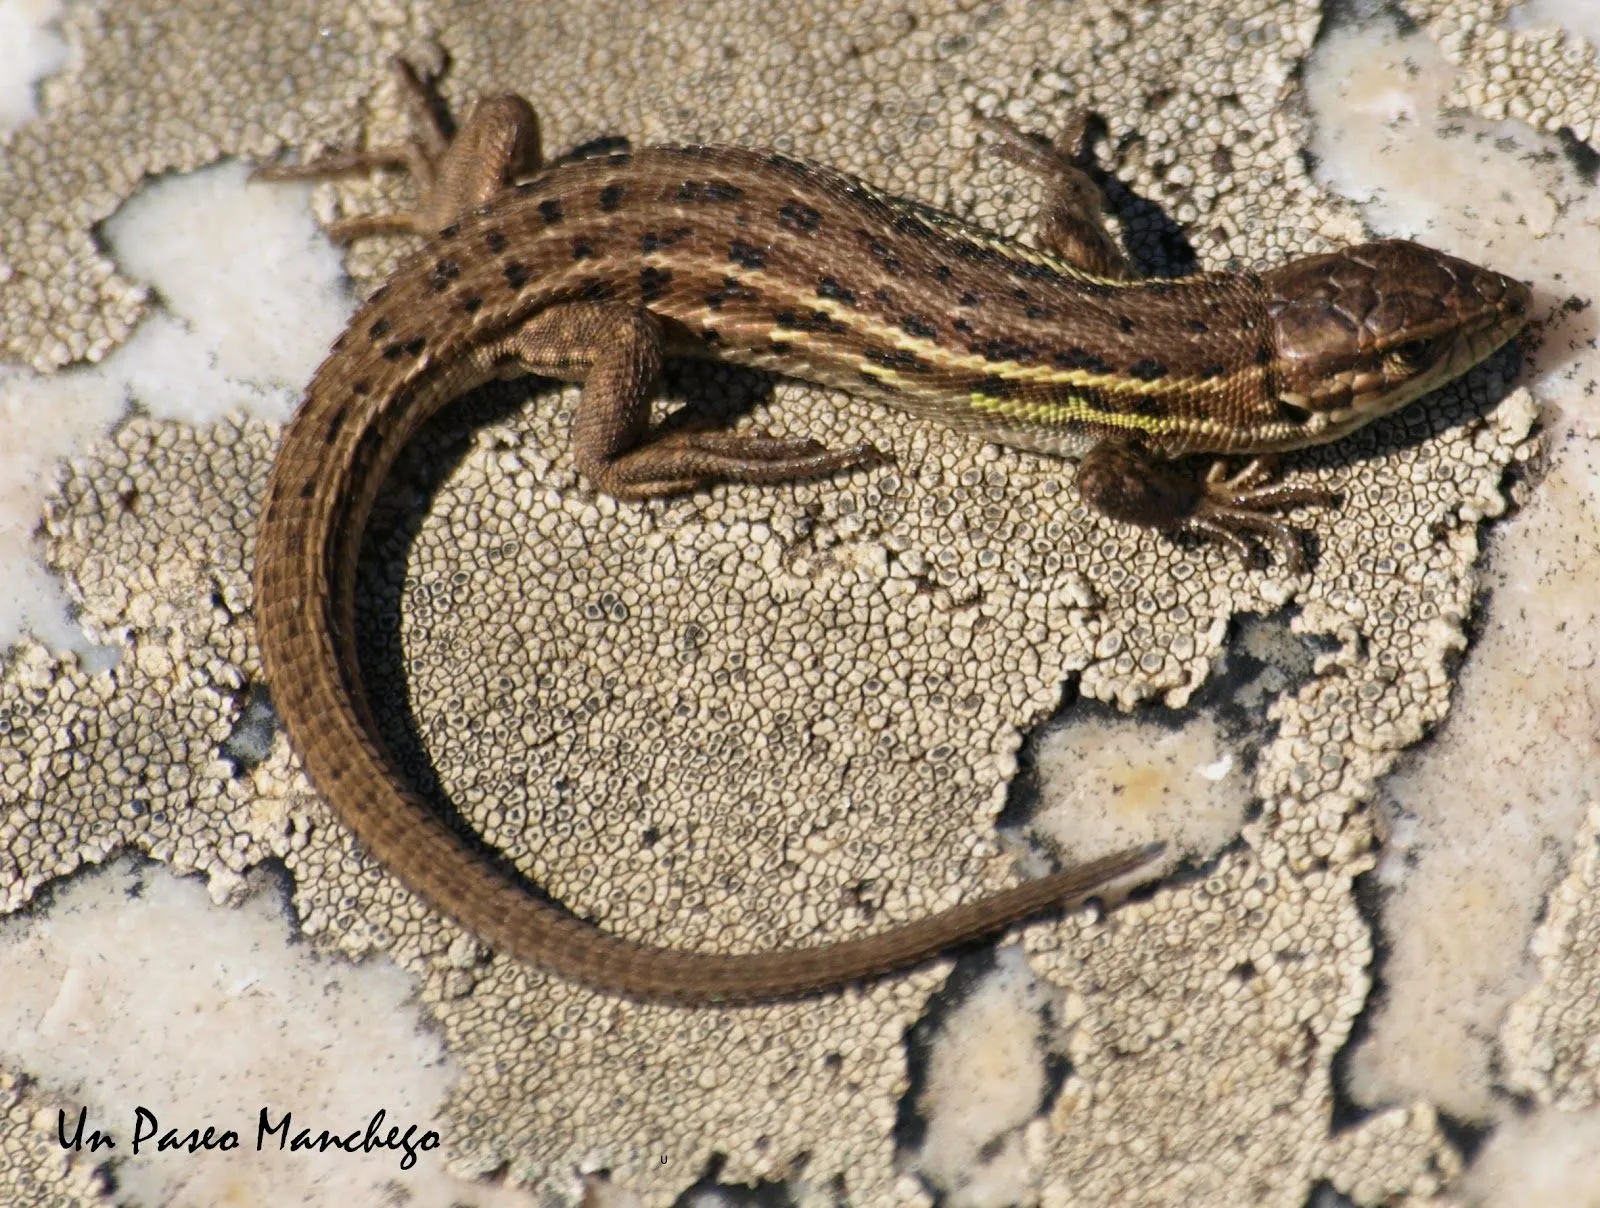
135, 102
30, 50
1479, 830
1120, 782
93, 990
250, 295
987, 1076
1546, 1159
766, 716
1550, 1048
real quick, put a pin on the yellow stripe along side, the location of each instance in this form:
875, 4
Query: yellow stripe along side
1072, 408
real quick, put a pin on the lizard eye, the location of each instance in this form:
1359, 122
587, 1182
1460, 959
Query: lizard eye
1408, 357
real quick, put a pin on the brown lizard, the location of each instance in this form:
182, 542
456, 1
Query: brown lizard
595, 269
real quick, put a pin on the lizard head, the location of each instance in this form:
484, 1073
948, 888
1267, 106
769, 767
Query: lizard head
1362, 332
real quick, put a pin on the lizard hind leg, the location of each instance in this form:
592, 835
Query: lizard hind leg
1072, 223
616, 351
454, 169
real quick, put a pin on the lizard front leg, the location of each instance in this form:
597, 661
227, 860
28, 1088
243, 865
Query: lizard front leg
1121, 478
1071, 224
1126, 481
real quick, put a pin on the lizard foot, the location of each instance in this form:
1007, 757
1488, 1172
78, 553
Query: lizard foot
1231, 510
1072, 148
1072, 224
454, 170
686, 461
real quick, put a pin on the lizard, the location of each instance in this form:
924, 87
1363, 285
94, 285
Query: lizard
596, 267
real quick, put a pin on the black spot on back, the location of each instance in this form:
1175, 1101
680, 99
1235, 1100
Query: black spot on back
442, 274
883, 254
1127, 324
1147, 369
996, 386
908, 223
1198, 326
582, 249
471, 304
336, 421
495, 241
653, 282
611, 197
1080, 358
516, 274
733, 288
893, 358
830, 288
816, 320
1212, 370
1002, 349
652, 241
789, 165
746, 255
550, 210
379, 329
918, 326
799, 216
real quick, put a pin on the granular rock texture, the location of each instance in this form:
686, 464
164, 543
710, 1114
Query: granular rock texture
1551, 1052
755, 717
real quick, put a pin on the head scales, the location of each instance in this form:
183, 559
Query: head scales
1361, 332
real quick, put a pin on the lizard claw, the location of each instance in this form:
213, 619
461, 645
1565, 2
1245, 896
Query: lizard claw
1231, 510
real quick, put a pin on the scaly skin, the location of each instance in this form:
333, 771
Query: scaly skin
594, 270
